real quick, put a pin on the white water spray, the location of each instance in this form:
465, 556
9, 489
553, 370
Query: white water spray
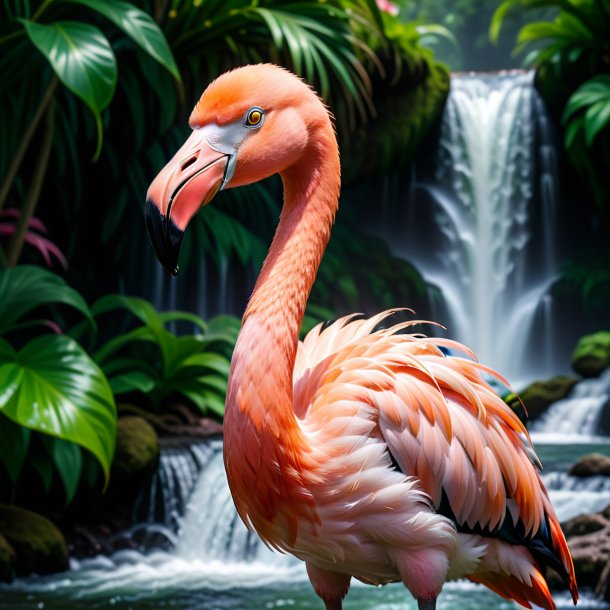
487, 215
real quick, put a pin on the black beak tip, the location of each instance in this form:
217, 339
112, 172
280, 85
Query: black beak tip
165, 237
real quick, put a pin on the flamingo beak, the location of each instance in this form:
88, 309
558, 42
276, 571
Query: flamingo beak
186, 184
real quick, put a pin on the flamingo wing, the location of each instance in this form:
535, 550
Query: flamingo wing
446, 427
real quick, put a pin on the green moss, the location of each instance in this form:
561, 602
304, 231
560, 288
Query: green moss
404, 115
39, 546
137, 448
592, 354
538, 396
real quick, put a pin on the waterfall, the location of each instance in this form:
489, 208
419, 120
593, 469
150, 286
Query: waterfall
190, 496
573, 496
577, 417
482, 223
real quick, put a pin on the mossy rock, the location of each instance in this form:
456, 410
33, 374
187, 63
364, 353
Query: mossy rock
385, 144
137, 449
39, 546
592, 354
593, 464
538, 396
7, 560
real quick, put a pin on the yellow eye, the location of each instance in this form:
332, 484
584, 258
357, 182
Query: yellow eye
254, 117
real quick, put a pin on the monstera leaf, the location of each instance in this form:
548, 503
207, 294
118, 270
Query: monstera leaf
52, 386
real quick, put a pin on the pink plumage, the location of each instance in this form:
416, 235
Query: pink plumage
367, 452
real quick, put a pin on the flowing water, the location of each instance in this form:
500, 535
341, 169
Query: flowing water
481, 223
216, 564
576, 418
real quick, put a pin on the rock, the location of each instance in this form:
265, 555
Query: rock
591, 465
584, 524
591, 554
137, 449
135, 461
592, 354
589, 563
38, 545
7, 560
538, 396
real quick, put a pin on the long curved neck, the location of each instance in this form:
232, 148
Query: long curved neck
264, 447
311, 192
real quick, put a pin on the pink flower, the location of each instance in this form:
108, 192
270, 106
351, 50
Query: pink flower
388, 7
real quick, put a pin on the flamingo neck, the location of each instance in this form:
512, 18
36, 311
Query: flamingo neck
265, 450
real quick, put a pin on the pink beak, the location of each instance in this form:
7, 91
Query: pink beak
187, 183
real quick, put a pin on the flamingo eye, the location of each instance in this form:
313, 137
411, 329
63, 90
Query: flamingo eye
254, 117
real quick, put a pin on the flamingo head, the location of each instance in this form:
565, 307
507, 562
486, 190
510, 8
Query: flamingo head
250, 123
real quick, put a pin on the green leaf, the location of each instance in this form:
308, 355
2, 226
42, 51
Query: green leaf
212, 361
14, 444
139, 26
140, 308
53, 386
498, 19
68, 461
132, 381
43, 466
597, 118
25, 288
82, 58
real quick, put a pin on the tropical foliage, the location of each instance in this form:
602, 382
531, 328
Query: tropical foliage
60, 376
345, 48
75, 53
571, 54
153, 362
587, 278
52, 391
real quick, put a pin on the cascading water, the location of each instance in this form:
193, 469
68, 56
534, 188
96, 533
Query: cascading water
481, 223
189, 495
577, 417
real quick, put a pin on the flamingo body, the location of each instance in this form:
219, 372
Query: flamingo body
367, 452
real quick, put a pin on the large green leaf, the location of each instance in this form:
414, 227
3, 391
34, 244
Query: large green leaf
26, 287
82, 58
137, 25
53, 386
14, 444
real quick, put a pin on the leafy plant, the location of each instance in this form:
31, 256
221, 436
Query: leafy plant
151, 360
359, 273
588, 278
570, 54
587, 134
79, 56
51, 388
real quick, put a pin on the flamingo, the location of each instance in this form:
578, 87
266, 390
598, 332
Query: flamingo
364, 450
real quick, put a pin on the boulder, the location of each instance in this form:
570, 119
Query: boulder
7, 560
38, 545
584, 524
137, 449
592, 354
135, 461
538, 396
591, 465
591, 554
